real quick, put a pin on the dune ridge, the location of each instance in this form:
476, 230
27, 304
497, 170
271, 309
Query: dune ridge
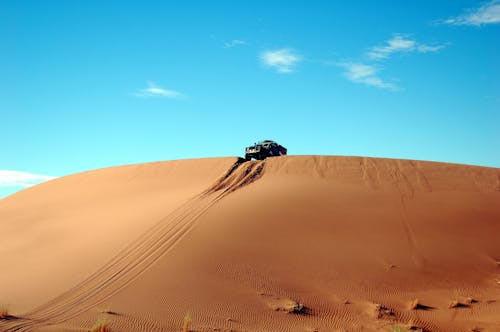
353, 240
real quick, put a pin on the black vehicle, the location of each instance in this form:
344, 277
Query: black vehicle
264, 149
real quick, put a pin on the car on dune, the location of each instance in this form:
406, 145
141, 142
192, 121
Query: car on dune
264, 149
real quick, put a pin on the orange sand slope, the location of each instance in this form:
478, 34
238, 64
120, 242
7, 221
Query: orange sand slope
309, 243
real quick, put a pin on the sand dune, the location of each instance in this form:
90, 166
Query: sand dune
309, 243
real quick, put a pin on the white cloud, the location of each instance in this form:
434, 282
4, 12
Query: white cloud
154, 90
283, 60
397, 44
429, 49
365, 74
234, 42
21, 179
489, 13
400, 43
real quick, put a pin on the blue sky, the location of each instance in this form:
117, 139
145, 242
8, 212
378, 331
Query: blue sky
91, 84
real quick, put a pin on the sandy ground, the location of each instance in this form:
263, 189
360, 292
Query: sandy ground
297, 243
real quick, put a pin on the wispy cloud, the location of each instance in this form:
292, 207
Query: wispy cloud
21, 179
282, 60
489, 13
429, 49
398, 44
234, 43
154, 90
365, 74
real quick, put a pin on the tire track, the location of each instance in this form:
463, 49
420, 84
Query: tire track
406, 193
138, 256
422, 180
370, 173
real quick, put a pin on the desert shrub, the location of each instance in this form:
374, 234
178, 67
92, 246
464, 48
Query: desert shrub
101, 325
186, 322
4, 312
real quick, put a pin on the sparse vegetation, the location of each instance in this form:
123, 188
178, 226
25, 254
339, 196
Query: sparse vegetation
287, 305
383, 312
291, 307
101, 325
457, 304
390, 267
416, 305
187, 321
4, 312
109, 311
399, 328
408, 327
470, 300
297, 308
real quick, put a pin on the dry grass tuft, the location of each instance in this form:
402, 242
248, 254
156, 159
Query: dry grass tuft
4, 312
399, 328
416, 305
109, 311
470, 300
290, 307
102, 325
456, 304
383, 312
389, 267
187, 321
408, 327
296, 308
411, 326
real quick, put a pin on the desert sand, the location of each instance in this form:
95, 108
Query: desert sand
295, 243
